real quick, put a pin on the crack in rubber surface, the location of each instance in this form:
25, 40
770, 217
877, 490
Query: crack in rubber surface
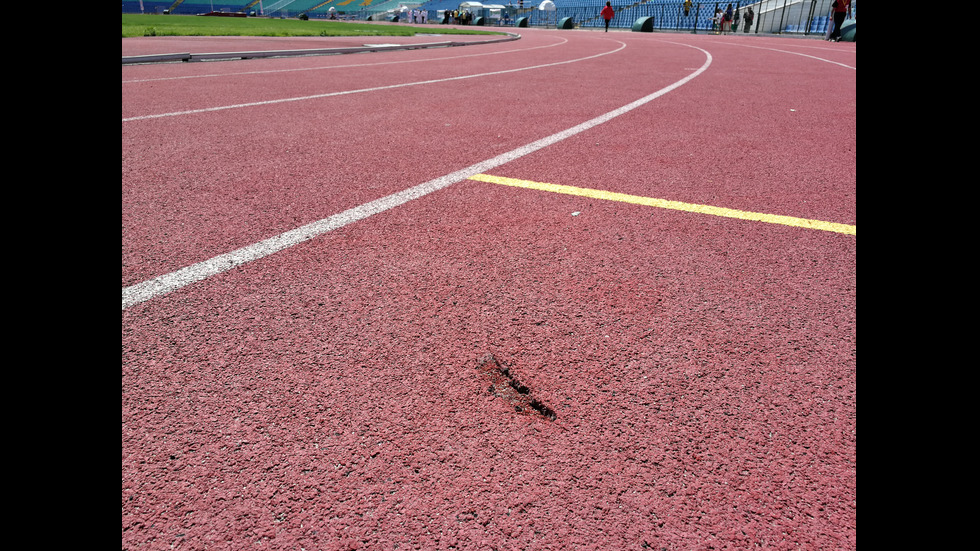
505, 385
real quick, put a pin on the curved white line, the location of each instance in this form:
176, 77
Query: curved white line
141, 292
793, 53
372, 89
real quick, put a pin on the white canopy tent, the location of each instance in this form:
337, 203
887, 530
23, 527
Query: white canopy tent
549, 7
479, 9
495, 11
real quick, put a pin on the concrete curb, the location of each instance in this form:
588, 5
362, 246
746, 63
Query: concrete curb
217, 56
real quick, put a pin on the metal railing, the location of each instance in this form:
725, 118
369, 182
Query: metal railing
795, 17
801, 17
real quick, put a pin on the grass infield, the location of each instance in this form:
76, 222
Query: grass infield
193, 25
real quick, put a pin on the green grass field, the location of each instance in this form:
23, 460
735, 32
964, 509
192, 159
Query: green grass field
193, 25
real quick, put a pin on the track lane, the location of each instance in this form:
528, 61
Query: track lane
196, 193
784, 143
248, 81
327, 397
284, 66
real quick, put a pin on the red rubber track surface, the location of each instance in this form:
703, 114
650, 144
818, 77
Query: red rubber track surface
339, 394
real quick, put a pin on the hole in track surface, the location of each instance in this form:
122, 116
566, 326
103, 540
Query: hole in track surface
504, 385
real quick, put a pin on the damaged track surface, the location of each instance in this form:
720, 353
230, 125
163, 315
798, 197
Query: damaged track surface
504, 385
701, 370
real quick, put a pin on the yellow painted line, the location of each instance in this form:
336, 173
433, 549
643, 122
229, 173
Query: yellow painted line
673, 205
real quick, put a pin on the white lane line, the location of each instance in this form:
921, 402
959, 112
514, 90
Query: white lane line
372, 89
353, 65
167, 283
793, 53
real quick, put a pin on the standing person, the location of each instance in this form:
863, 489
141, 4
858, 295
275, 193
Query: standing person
716, 21
842, 10
726, 22
607, 14
748, 19
735, 23
687, 8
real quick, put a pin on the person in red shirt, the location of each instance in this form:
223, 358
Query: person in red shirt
607, 14
842, 10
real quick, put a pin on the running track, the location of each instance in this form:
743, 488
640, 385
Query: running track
333, 266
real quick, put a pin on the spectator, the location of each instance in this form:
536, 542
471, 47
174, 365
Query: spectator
749, 16
607, 14
726, 20
842, 10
